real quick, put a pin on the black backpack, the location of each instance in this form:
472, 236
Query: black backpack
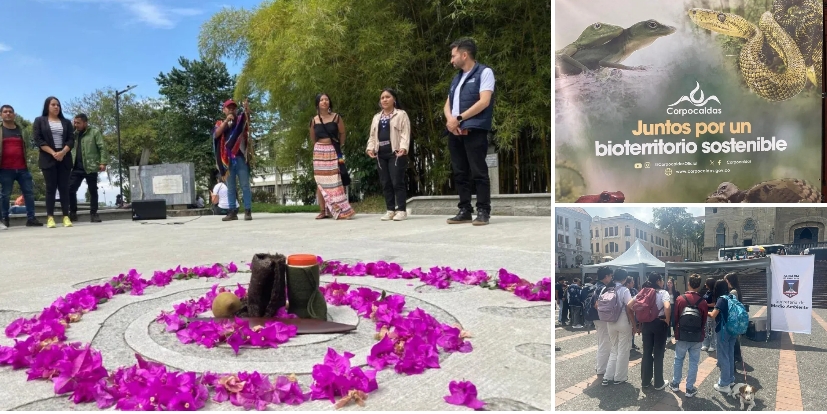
590, 313
690, 323
585, 291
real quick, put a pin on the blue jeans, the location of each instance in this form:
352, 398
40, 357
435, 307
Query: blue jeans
239, 168
24, 179
681, 348
726, 358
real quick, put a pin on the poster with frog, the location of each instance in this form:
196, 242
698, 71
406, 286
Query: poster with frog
688, 101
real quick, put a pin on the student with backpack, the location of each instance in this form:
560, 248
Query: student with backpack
630, 284
735, 289
573, 294
731, 320
709, 297
652, 309
566, 318
604, 346
613, 308
691, 313
559, 292
585, 295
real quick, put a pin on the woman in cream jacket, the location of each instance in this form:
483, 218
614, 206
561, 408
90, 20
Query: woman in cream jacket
390, 138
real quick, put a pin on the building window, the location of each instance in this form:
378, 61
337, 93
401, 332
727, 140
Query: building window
616, 232
577, 242
567, 222
605, 232
597, 247
720, 235
627, 231
714, 211
559, 238
577, 225
559, 219
608, 248
567, 239
628, 244
591, 234
578, 260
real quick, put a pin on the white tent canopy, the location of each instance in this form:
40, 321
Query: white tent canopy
635, 258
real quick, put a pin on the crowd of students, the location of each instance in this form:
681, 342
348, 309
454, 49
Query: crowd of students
706, 317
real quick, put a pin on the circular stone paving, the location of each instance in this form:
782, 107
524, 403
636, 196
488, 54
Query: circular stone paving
132, 329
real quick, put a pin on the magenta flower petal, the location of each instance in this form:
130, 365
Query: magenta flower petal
463, 393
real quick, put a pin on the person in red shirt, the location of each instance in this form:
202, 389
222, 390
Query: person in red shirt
13, 168
693, 336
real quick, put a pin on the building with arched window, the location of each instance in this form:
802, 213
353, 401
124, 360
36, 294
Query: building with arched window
798, 228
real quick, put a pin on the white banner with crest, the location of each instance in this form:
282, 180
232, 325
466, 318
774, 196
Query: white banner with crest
791, 297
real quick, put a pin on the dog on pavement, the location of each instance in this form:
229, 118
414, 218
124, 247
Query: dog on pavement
745, 393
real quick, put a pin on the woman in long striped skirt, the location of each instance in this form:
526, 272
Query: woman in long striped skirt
327, 132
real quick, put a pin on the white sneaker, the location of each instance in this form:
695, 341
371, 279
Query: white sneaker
3, 227
704, 348
725, 390
400, 215
577, 326
388, 215
711, 349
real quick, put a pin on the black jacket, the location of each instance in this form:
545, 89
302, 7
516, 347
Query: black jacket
42, 135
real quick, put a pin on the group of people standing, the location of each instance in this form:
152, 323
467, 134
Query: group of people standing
698, 319
468, 113
70, 152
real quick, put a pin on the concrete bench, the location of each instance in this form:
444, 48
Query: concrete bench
501, 205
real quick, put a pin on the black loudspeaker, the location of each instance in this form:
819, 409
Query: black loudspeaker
754, 334
149, 210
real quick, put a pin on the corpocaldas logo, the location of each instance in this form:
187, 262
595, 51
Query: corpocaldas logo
790, 287
698, 99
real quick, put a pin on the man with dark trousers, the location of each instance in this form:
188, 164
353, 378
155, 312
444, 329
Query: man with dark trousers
469, 113
90, 159
13, 168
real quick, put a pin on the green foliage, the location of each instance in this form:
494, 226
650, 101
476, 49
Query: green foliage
193, 95
264, 197
304, 187
685, 233
277, 208
138, 126
294, 49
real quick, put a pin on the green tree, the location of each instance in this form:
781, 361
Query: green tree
139, 131
294, 49
192, 96
678, 224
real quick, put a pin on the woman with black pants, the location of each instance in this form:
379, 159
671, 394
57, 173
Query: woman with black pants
390, 137
54, 135
654, 335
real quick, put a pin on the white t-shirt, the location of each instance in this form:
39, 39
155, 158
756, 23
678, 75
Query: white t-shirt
221, 190
486, 84
663, 297
623, 294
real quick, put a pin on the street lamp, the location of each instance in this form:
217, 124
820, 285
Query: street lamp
118, 128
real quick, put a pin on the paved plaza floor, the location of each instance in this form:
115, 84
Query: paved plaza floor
786, 373
510, 363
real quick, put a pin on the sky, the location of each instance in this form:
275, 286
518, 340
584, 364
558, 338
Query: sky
69, 48
641, 213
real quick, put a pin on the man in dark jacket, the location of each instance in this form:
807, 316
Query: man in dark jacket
13, 168
692, 346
